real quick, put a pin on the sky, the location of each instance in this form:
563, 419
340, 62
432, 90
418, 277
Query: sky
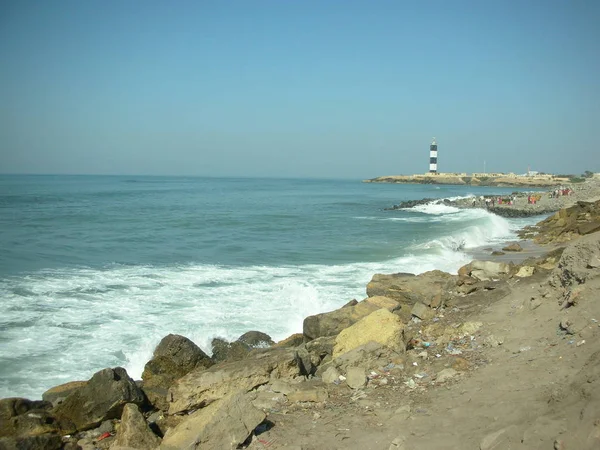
283, 88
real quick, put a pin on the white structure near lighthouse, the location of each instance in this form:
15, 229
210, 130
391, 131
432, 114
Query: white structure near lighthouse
433, 157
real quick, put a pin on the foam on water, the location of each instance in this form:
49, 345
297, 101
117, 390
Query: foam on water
64, 325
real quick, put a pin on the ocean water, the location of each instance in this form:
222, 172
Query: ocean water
95, 270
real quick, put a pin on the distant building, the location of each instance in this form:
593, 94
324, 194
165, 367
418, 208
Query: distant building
433, 157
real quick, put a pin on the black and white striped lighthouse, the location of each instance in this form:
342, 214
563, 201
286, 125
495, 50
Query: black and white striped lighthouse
433, 157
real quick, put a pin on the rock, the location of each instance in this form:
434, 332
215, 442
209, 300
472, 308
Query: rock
594, 262
256, 339
201, 387
408, 289
294, 340
223, 424
589, 227
39, 442
371, 354
57, 394
266, 400
380, 326
486, 270
173, 357
352, 302
356, 378
572, 268
102, 397
20, 417
399, 443
498, 253
308, 392
311, 354
514, 247
421, 311
525, 271
281, 386
383, 302
445, 375
228, 351
330, 375
331, 323
134, 431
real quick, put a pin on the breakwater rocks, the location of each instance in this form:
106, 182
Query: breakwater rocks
515, 205
525, 333
520, 204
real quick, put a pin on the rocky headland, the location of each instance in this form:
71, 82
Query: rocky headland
502, 180
520, 204
502, 355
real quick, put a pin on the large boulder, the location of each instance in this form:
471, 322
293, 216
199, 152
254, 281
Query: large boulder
47, 441
23, 417
174, 357
57, 394
256, 339
228, 351
576, 264
202, 387
224, 424
134, 431
487, 270
101, 398
331, 323
408, 289
380, 326
311, 354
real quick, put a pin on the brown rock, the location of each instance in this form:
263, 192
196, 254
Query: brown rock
173, 357
514, 247
202, 387
292, 341
57, 394
380, 326
102, 397
331, 323
256, 339
228, 351
39, 442
589, 227
409, 289
223, 424
308, 392
134, 431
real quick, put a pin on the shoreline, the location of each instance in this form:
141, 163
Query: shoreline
312, 363
546, 202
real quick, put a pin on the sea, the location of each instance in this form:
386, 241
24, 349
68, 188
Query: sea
95, 270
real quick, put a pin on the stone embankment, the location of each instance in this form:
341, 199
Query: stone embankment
500, 355
519, 204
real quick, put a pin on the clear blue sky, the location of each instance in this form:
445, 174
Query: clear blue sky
343, 89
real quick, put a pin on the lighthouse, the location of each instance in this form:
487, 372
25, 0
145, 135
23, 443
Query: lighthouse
433, 157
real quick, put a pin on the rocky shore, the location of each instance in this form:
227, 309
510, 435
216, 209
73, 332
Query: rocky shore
518, 204
502, 355
498, 180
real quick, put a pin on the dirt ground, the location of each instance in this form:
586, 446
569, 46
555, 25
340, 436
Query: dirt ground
522, 382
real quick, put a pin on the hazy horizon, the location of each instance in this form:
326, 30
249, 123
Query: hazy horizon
339, 90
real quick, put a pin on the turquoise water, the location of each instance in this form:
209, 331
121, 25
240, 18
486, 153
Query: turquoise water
95, 270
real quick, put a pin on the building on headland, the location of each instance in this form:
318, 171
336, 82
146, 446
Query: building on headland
433, 157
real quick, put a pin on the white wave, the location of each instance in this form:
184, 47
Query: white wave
481, 228
435, 208
64, 325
